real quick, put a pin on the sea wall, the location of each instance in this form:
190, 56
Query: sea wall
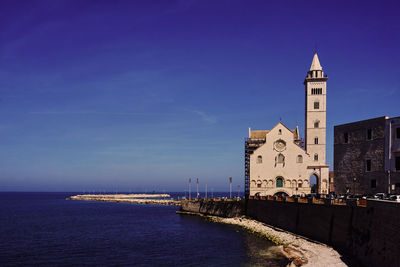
369, 233
225, 208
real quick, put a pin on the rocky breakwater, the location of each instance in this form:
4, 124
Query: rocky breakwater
152, 199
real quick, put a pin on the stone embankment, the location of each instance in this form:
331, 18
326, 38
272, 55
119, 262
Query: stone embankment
299, 250
129, 198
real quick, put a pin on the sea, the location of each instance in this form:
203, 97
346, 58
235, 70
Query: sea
45, 229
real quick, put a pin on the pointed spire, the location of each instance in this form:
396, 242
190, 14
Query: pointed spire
315, 65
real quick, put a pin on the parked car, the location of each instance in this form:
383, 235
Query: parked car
380, 196
395, 198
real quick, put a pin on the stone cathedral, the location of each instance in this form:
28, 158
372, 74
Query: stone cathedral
278, 162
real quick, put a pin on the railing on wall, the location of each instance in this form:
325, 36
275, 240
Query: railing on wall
315, 201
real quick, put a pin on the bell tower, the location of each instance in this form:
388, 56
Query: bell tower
315, 113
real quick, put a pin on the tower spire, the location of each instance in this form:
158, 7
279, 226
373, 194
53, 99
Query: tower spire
315, 65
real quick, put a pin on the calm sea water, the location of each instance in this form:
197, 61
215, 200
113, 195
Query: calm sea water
44, 229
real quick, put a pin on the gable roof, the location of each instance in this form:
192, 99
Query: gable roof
261, 134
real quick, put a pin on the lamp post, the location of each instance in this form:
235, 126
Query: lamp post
197, 188
230, 187
190, 181
354, 186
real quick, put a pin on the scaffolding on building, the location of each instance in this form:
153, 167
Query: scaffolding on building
249, 146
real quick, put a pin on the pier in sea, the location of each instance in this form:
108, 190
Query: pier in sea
154, 199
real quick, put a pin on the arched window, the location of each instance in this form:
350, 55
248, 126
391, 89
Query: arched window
280, 132
279, 182
316, 105
300, 184
281, 158
315, 157
264, 183
316, 140
316, 124
299, 159
258, 184
259, 159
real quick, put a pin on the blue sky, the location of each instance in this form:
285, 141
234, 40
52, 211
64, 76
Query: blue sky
142, 95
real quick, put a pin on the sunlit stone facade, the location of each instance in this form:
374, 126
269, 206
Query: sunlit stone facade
276, 160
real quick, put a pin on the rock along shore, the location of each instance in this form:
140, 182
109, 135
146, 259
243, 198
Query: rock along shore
129, 198
299, 250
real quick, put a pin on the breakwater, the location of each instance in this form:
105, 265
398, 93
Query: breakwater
129, 198
364, 229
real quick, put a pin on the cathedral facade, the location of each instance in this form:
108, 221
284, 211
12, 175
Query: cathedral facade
278, 162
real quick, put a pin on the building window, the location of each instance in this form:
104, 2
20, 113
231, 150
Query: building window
259, 159
398, 133
300, 184
279, 182
373, 183
281, 158
397, 166
316, 140
368, 165
316, 105
316, 91
316, 124
299, 159
280, 132
315, 157
258, 184
346, 138
369, 134
397, 185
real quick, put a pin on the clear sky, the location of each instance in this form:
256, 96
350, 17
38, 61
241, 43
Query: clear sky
142, 95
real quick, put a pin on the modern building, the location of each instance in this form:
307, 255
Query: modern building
277, 161
367, 156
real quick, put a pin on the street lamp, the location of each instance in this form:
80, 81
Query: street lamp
230, 187
354, 186
190, 183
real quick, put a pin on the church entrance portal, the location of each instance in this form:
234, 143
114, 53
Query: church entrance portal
281, 194
314, 184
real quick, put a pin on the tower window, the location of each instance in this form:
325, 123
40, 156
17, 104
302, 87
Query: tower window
316, 124
299, 159
316, 105
259, 159
368, 165
316, 91
346, 138
369, 134
316, 140
315, 157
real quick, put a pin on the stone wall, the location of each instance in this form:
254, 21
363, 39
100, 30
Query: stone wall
350, 158
369, 233
226, 209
